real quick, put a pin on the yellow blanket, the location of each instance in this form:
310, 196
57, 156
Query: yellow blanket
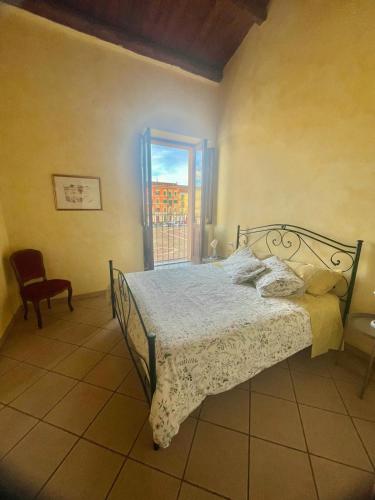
326, 323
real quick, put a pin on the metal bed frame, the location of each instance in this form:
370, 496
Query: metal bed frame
290, 238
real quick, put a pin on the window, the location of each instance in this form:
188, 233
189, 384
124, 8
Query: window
165, 193
165, 201
175, 201
170, 202
157, 192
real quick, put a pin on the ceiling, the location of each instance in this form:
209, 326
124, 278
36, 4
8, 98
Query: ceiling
199, 36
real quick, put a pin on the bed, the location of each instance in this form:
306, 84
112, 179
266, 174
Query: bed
192, 333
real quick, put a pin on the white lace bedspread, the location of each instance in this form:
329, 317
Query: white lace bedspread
210, 336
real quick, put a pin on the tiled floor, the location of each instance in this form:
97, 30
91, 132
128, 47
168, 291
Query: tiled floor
73, 424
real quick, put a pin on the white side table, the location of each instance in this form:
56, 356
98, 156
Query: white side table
364, 324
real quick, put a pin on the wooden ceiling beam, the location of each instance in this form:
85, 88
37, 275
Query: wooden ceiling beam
64, 15
257, 8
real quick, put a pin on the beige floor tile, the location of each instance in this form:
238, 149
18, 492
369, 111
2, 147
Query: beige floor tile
339, 482
29, 465
86, 473
7, 364
19, 345
279, 472
349, 368
79, 312
361, 408
16, 380
119, 423
46, 353
13, 426
139, 482
104, 340
121, 349
19, 329
79, 408
276, 420
109, 372
303, 362
132, 386
196, 412
333, 436
190, 492
31, 324
99, 302
274, 381
171, 459
112, 323
88, 316
230, 409
44, 394
79, 363
245, 386
219, 461
59, 305
317, 391
283, 364
68, 331
367, 432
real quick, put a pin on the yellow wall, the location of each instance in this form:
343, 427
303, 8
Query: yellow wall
75, 105
8, 297
297, 134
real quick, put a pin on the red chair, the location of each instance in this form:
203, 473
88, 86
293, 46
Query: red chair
28, 265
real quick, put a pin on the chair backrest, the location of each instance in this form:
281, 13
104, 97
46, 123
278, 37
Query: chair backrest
28, 265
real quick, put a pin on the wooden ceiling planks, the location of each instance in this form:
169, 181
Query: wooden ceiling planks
199, 36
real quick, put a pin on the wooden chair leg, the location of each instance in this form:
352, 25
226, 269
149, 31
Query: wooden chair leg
49, 303
25, 309
70, 293
38, 315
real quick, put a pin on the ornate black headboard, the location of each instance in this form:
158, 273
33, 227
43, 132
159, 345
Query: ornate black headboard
297, 241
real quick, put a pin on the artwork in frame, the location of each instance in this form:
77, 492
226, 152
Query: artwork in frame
76, 192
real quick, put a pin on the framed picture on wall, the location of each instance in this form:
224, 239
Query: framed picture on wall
76, 192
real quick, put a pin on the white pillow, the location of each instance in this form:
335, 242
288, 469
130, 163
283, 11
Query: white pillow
240, 256
246, 272
279, 280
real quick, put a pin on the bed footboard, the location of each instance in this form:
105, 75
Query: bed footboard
125, 309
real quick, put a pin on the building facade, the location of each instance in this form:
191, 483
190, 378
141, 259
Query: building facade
169, 198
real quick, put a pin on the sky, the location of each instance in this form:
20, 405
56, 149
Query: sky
169, 164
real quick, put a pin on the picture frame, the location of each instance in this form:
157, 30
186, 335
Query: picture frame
77, 192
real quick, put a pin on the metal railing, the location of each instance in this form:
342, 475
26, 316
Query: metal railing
170, 237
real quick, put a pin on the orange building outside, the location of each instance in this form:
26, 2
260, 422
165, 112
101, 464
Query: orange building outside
169, 199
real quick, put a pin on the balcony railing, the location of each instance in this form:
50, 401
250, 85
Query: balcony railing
171, 234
